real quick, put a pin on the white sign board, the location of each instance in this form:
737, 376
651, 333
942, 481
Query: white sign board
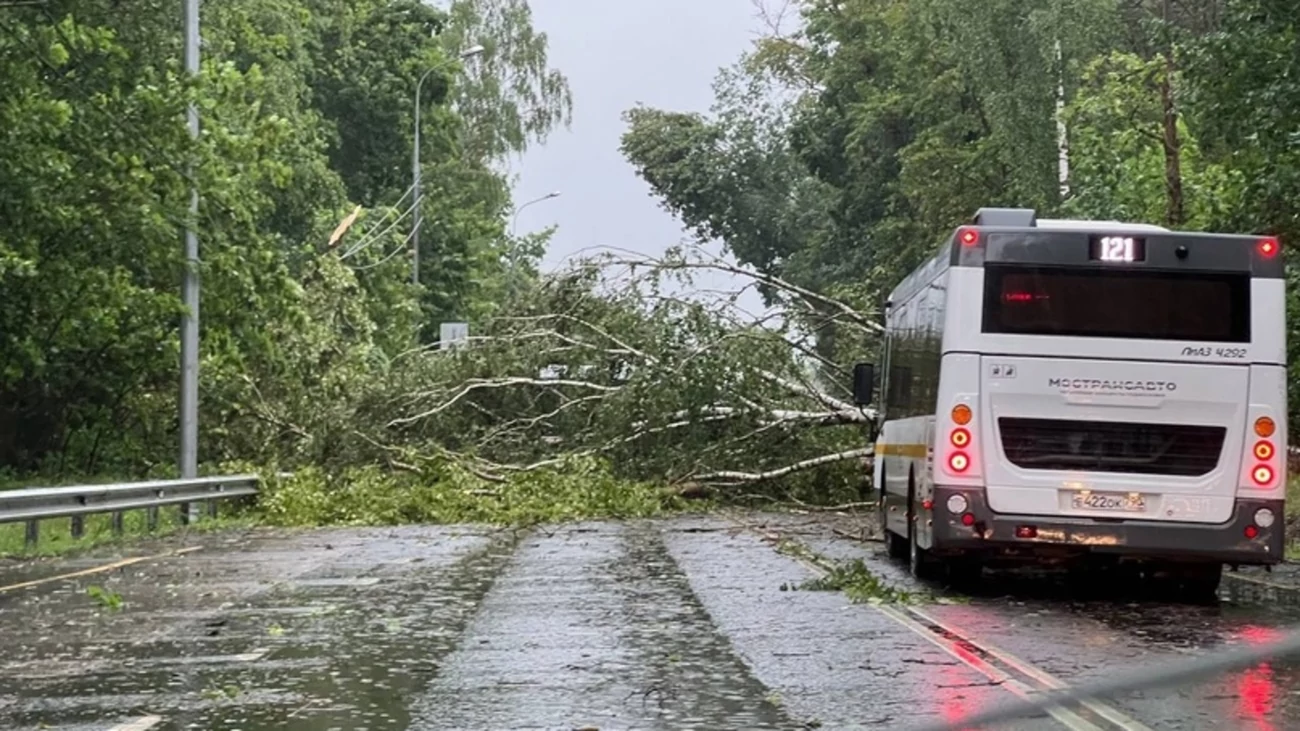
451, 334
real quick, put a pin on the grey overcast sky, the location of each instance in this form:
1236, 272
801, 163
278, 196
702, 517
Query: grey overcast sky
616, 53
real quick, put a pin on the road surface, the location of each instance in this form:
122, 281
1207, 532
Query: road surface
690, 622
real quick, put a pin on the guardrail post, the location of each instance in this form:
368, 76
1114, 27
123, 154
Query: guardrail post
199, 496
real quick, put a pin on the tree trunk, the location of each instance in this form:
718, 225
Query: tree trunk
1175, 214
1174, 209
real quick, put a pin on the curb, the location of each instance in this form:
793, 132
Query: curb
1259, 588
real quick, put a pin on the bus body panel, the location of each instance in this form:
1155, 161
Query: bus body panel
1060, 431
903, 459
1267, 398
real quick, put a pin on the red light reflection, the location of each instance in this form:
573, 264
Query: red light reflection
954, 686
1256, 688
1256, 695
1255, 634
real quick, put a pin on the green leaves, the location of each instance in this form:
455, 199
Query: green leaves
305, 104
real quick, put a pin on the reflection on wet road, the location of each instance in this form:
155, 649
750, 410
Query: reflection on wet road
683, 623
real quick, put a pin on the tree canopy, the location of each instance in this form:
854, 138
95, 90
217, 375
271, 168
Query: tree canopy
307, 113
839, 153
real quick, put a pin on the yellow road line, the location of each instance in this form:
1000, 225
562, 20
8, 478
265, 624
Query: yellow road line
98, 569
140, 724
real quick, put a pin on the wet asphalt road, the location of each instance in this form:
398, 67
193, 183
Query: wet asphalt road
682, 623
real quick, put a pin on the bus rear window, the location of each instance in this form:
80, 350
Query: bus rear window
1106, 303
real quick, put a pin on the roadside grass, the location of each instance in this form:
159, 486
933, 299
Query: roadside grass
56, 534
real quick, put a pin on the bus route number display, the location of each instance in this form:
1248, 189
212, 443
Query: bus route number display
1122, 249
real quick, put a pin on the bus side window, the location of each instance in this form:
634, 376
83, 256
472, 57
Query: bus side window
900, 390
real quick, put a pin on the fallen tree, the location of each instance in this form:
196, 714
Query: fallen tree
622, 358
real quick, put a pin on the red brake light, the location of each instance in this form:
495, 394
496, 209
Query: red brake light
967, 519
1252, 532
958, 462
1269, 247
960, 438
1262, 475
968, 237
1263, 451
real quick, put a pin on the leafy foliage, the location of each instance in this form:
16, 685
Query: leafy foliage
306, 111
904, 118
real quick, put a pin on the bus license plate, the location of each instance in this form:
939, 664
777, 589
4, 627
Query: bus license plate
1113, 501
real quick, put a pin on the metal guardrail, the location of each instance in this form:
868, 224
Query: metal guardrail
32, 505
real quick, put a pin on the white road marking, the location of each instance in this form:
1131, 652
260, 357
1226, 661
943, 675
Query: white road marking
1042, 676
1066, 717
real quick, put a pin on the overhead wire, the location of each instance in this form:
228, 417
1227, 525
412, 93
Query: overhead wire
387, 214
370, 237
388, 257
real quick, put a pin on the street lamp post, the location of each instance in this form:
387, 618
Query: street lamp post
415, 166
189, 395
515, 218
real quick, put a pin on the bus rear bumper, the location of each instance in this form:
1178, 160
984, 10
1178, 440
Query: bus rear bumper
1002, 533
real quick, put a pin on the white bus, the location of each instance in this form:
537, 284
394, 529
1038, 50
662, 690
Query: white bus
1090, 392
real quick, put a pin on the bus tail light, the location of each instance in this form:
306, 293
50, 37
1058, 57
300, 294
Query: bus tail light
1262, 475
960, 438
1264, 451
955, 448
968, 236
1261, 468
961, 414
958, 462
1268, 247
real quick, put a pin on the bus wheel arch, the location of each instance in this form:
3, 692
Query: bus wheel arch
895, 545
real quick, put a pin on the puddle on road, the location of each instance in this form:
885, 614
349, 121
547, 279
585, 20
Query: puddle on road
693, 675
353, 660
595, 626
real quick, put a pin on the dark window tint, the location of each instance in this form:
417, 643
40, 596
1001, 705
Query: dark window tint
1102, 303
